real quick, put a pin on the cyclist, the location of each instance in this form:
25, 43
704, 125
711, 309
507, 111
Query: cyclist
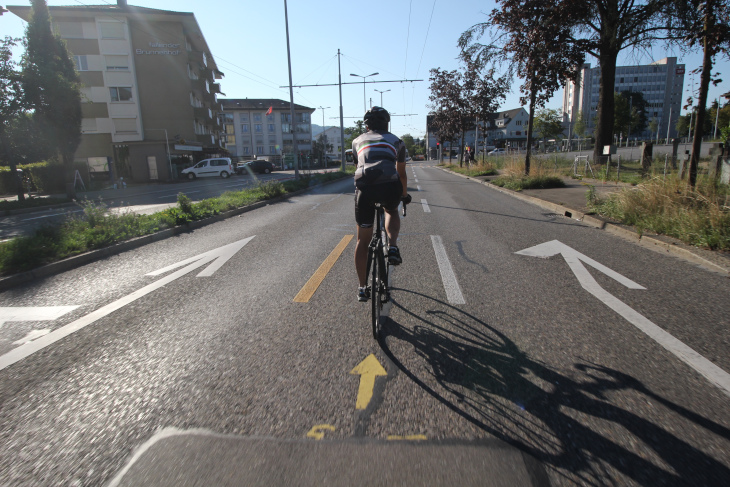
380, 178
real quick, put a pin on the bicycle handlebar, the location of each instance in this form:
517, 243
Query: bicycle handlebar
406, 200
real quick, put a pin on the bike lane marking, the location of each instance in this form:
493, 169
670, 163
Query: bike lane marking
308, 290
424, 204
451, 285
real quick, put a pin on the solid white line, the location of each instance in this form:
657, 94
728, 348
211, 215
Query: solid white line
175, 195
419, 187
709, 370
426, 209
451, 285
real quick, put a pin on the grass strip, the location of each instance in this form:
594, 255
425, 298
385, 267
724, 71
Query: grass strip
97, 227
699, 217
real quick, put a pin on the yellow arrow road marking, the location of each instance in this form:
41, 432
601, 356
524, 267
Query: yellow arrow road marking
317, 431
313, 283
368, 369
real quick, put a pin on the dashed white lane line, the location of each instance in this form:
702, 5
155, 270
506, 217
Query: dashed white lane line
418, 187
451, 285
426, 209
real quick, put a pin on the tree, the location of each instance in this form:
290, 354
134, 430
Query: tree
11, 106
579, 125
351, 133
51, 87
654, 126
532, 37
548, 124
704, 24
460, 99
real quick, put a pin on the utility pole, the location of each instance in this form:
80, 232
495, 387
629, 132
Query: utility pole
364, 103
291, 97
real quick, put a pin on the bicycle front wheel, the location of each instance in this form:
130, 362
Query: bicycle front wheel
376, 289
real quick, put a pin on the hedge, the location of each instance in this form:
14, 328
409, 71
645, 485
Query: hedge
45, 177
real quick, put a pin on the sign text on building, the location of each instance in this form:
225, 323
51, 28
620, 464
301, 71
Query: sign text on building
167, 49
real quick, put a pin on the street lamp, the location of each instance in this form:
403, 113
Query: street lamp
364, 104
381, 96
167, 144
324, 135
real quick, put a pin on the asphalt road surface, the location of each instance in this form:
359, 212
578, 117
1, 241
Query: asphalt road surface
523, 348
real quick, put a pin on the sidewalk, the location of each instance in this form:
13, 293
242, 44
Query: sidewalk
570, 201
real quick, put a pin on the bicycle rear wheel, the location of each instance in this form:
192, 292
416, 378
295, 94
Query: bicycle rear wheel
375, 288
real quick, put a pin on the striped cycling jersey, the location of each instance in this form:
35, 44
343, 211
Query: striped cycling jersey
377, 153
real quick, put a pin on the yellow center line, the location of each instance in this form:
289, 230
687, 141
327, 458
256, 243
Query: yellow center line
306, 293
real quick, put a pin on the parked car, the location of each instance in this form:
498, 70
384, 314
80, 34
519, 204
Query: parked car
258, 165
221, 166
497, 152
419, 157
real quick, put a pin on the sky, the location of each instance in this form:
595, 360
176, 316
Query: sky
399, 39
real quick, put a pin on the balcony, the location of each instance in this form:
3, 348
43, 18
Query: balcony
205, 139
203, 114
215, 87
198, 57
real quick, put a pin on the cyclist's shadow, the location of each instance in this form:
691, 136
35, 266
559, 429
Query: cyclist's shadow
484, 377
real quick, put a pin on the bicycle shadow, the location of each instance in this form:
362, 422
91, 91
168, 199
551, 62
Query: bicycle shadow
485, 378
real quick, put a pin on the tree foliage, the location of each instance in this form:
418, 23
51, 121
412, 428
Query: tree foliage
532, 37
629, 113
351, 133
51, 85
548, 124
460, 99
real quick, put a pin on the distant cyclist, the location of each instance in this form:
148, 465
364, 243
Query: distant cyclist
380, 178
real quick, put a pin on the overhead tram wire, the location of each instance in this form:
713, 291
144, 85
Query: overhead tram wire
408, 36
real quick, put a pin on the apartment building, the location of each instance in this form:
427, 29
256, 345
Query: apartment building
149, 91
661, 83
263, 127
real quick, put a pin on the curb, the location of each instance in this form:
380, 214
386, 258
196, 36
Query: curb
645, 241
78, 260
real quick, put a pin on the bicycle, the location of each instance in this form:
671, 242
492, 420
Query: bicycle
377, 258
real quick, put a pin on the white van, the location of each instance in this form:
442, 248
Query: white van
220, 166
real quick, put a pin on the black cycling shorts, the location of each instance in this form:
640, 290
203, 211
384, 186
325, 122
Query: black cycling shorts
388, 194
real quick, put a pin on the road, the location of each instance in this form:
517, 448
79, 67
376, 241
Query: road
523, 348
145, 199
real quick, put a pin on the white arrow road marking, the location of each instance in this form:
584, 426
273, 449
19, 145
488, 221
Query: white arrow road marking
33, 313
709, 370
219, 256
424, 204
451, 285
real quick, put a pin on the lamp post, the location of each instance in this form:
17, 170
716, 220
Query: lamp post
167, 144
324, 137
364, 103
381, 96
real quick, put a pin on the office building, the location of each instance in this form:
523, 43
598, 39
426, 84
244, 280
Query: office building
149, 91
661, 83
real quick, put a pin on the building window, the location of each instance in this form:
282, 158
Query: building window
245, 151
81, 63
270, 118
272, 149
120, 93
271, 127
117, 63
111, 30
228, 117
285, 117
259, 149
256, 117
244, 128
286, 128
302, 117
125, 125
257, 128
229, 129
70, 30
244, 117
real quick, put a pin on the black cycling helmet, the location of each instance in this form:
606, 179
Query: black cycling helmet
377, 114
